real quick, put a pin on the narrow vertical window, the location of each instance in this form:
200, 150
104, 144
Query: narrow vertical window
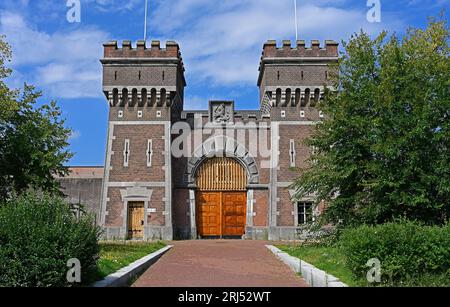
292, 153
126, 153
149, 153
302, 75
139, 75
115, 75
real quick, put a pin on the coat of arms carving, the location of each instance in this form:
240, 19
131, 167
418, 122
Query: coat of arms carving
221, 112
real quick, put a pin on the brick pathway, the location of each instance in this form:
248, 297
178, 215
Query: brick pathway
219, 263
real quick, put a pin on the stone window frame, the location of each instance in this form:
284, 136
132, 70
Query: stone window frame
126, 153
304, 204
149, 152
309, 199
292, 153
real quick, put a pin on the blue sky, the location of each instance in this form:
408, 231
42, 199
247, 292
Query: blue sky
220, 41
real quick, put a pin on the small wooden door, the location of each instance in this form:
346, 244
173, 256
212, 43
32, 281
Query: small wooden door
135, 220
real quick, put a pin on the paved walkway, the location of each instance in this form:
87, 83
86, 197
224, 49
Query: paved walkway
219, 263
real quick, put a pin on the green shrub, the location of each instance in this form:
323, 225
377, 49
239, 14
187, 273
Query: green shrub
38, 235
406, 250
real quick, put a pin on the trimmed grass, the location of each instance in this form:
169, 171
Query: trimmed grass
117, 255
328, 259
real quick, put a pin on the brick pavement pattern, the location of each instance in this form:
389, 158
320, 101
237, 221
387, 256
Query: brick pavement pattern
219, 263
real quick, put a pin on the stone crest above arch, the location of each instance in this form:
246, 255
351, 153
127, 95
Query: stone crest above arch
222, 146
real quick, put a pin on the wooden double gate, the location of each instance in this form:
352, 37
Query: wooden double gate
221, 198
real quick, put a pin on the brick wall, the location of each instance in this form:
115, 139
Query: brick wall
137, 170
261, 208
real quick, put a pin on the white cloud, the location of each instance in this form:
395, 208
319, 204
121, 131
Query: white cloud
222, 41
116, 5
65, 63
195, 102
75, 135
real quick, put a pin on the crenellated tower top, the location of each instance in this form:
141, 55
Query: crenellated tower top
144, 76
293, 77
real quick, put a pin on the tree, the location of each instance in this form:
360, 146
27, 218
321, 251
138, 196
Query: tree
33, 138
383, 150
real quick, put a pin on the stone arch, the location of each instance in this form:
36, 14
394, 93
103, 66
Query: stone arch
222, 146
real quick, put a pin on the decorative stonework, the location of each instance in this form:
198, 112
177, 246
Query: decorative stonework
221, 112
222, 146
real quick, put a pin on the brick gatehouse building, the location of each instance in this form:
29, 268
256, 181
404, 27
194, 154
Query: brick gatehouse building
220, 186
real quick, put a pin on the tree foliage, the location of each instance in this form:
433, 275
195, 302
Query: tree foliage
32, 137
383, 150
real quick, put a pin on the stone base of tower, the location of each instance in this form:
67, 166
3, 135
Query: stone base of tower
151, 233
256, 233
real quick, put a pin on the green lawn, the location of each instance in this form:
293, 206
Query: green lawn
328, 259
116, 255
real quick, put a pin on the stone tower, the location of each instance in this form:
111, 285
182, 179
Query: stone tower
293, 79
291, 83
145, 90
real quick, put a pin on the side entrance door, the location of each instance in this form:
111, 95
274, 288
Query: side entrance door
135, 220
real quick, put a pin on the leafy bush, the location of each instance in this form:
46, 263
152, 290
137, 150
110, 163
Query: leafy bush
38, 235
406, 250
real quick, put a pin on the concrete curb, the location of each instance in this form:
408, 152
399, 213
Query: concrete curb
121, 277
312, 275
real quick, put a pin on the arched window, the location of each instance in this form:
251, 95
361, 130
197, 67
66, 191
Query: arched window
124, 101
163, 97
115, 98
134, 97
153, 98
316, 95
298, 96
307, 97
143, 101
288, 97
278, 97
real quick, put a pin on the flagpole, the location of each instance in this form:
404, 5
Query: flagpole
296, 20
145, 20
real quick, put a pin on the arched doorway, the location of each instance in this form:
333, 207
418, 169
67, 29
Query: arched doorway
221, 198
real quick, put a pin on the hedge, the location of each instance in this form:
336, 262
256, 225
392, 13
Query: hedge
39, 233
406, 250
